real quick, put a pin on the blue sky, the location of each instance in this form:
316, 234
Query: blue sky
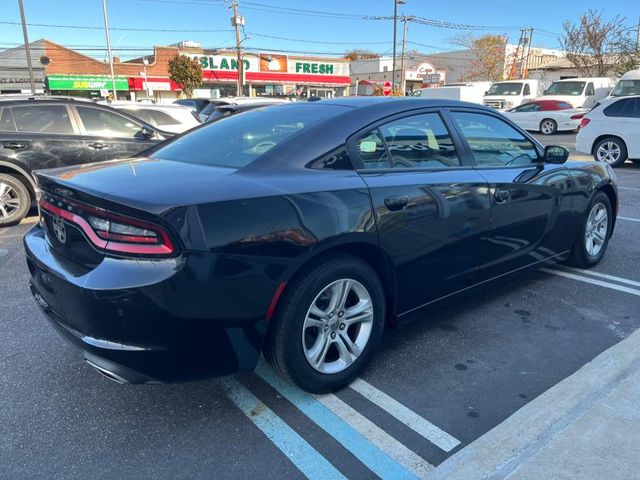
501, 16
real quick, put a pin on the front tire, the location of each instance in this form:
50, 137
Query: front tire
15, 200
594, 235
548, 127
327, 325
610, 150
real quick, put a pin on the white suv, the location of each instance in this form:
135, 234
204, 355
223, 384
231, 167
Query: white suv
611, 131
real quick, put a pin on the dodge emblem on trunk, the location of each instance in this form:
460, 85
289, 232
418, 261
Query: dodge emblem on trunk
59, 230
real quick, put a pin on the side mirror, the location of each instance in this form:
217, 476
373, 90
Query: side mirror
147, 133
556, 155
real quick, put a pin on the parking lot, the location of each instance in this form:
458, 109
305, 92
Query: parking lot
437, 384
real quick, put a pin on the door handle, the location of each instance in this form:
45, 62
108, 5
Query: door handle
501, 195
98, 146
396, 203
14, 145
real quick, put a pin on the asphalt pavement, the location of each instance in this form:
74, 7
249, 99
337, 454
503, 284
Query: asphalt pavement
445, 392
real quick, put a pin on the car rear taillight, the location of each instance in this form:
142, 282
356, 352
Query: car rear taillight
585, 121
577, 116
109, 231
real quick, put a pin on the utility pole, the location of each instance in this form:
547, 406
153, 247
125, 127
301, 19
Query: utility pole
106, 30
405, 19
638, 36
238, 21
27, 48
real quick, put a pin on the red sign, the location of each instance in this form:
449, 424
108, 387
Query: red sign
386, 90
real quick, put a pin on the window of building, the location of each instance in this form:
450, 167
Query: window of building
495, 143
42, 119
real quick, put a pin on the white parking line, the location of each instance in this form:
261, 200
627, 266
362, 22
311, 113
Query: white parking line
592, 281
605, 276
629, 188
381, 439
407, 416
629, 219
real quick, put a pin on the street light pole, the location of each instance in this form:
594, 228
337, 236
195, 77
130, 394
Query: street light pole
106, 30
27, 48
402, 58
145, 62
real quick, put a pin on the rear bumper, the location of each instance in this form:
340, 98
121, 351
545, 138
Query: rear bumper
152, 321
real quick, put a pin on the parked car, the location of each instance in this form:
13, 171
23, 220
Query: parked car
546, 116
611, 131
629, 84
223, 111
170, 118
466, 92
300, 231
197, 104
579, 92
47, 132
511, 93
204, 114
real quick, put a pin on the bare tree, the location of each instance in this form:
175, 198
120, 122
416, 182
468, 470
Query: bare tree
360, 54
596, 47
488, 56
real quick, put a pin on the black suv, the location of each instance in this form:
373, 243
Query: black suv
46, 132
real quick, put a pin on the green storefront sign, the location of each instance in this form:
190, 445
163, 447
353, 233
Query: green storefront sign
312, 67
85, 82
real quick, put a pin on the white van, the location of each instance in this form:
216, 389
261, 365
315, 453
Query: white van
629, 84
511, 93
579, 92
465, 92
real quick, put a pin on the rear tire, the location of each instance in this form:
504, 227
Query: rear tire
610, 150
594, 235
548, 127
315, 342
15, 200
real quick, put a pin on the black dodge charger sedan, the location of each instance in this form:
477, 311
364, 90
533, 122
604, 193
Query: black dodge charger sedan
299, 231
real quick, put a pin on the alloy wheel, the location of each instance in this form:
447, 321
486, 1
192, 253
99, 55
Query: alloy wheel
596, 229
9, 201
337, 326
608, 152
547, 127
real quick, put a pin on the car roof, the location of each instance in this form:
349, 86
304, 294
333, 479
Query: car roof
396, 104
44, 98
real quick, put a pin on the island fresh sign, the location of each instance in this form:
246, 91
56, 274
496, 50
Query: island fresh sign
224, 62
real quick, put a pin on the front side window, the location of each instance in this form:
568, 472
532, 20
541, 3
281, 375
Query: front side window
42, 119
527, 107
103, 123
495, 143
420, 141
527, 89
156, 117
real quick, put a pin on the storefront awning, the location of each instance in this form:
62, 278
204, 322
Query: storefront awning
153, 83
277, 78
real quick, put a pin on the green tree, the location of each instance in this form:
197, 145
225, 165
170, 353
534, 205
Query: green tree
488, 54
596, 47
186, 72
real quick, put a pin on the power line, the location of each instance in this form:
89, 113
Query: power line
122, 29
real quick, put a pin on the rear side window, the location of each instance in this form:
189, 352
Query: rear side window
241, 139
6, 120
42, 119
419, 141
156, 117
627, 108
495, 143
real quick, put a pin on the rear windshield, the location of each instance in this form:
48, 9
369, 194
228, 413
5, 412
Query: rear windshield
240, 139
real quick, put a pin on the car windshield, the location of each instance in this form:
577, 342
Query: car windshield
625, 88
566, 88
241, 139
511, 88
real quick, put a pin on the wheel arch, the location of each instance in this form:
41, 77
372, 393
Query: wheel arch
609, 191
602, 137
12, 169
365, 250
